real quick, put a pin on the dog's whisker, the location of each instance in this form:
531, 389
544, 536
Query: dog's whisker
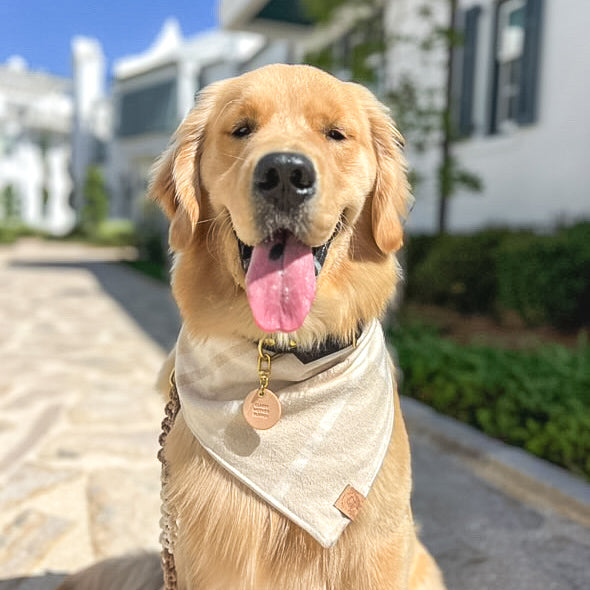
203, 221
228, 104
234, 157
210, 219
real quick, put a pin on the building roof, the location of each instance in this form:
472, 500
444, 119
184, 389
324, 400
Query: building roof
16, 77
170, 47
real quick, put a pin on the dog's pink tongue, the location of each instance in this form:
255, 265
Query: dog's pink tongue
280, 284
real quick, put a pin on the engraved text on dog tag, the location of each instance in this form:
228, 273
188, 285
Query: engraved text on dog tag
262, 410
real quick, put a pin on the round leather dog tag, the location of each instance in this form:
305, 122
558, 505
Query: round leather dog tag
262, 411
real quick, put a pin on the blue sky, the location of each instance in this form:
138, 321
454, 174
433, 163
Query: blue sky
41, 30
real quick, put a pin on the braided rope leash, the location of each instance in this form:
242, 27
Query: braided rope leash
168, 520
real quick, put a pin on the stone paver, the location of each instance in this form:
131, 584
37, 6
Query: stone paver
79, 480
81, 341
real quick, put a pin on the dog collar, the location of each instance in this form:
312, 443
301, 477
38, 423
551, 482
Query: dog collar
326, 348
319, 462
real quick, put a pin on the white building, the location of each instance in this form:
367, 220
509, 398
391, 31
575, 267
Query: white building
521, 86
153, 91
51, 130
35, 124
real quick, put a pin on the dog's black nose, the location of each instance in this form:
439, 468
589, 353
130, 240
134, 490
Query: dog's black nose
285, 179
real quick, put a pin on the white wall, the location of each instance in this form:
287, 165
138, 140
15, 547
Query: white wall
539, 174
35, 151
27, 170
273, 52
534, 175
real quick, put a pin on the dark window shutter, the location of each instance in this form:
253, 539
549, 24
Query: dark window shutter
470, 39
528, 97
493, 101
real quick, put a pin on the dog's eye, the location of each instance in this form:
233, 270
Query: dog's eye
336, 135
242, 130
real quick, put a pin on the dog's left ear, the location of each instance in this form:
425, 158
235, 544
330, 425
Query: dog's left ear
175, 183
392, 196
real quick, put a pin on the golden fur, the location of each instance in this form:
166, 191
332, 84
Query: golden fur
228, 537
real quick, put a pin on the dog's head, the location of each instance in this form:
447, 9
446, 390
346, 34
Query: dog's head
286, 190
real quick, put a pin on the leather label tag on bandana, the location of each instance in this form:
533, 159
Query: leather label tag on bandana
350, 502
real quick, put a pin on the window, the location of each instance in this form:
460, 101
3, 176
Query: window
516, 64
149, 110
214, 72
464, 72
509, 53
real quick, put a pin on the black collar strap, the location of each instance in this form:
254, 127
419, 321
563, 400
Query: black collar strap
326, 348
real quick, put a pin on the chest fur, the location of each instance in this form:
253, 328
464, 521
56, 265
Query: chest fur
230, 538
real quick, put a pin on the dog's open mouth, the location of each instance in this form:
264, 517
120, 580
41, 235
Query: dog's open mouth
319, 253
281, 276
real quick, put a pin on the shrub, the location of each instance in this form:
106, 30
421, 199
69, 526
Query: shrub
96, 201
115, 232
546, 279
538, 400
152, 234
11, 233
455, 271
10, 204
415, 250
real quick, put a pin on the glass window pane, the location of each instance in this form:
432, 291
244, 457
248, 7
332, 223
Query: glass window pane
149, 110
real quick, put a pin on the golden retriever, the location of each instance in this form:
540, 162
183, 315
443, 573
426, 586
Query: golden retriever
283, 157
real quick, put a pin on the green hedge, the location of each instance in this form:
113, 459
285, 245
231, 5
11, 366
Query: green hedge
545, 278
455, 271
11, 233
114, 232
538, 400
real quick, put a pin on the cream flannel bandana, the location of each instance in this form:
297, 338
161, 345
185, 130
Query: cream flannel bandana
335, 428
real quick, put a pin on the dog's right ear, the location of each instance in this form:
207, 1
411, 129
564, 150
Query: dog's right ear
175, 183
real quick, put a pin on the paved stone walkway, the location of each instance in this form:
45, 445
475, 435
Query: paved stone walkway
79, 416
81, 341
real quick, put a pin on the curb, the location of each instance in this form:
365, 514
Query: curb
513, 470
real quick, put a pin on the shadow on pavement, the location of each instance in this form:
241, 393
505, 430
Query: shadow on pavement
147, 301
45, 582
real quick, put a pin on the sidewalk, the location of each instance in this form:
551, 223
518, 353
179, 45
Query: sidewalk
81, 342
79, 416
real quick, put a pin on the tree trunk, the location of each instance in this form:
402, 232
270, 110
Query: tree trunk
446, 168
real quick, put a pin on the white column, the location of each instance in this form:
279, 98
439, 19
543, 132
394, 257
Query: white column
60, 216
186, 88
89, 78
